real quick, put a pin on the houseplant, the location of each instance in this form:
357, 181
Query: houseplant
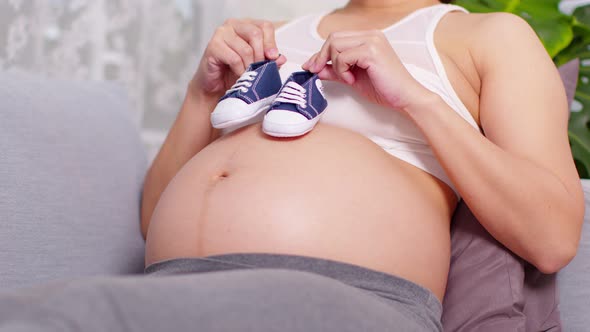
566, 37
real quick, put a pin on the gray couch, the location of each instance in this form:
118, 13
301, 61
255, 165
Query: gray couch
71, 169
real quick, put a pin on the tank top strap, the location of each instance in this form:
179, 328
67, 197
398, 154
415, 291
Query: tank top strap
416, 26
437, 16
412, 38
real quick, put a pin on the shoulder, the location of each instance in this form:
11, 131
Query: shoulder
501, 30
483, 29
494, 37
499, 22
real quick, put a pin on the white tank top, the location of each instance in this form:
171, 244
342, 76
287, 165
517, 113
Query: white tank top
412, 38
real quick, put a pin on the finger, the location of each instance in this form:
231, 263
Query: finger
334, 53
320, 59
229, 57
221, 55
269, 42
253, 35
329, 74
345, 61
241, 47
225, 56
281, 60
308, 63
342, 41
362, 57
332, 47
343, 69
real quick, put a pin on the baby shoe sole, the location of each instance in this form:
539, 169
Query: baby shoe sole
289, 130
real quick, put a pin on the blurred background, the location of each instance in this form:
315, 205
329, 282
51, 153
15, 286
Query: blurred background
152, 47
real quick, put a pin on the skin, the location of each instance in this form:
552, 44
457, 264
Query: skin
519, 179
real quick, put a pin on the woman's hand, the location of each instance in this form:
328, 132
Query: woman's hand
234, 46
366, 61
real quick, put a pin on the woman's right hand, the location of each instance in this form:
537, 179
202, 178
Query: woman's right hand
234, 46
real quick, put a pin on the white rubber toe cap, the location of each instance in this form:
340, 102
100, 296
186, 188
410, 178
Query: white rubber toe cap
229, 111
281, 123
280, 117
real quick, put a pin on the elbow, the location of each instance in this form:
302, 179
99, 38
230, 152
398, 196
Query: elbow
561, 247
557, 258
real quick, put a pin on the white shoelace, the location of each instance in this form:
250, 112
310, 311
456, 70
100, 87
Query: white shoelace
244, 82
292, 93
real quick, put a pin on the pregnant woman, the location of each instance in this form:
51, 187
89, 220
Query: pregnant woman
348, 227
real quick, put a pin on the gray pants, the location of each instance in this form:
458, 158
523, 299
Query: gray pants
242, 292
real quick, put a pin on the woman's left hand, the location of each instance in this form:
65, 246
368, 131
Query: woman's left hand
366, 61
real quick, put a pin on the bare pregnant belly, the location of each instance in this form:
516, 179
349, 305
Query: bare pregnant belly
331, 194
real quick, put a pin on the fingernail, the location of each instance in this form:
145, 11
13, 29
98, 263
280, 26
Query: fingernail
273, 53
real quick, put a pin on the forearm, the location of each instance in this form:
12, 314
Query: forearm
190, 133
519, 203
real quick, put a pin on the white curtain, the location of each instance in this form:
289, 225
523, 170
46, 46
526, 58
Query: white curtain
152, 47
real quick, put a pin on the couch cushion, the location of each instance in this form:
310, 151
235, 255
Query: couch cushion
574, 280
71, 170
485, 285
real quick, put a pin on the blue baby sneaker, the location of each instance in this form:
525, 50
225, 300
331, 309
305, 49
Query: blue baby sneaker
297, 108
251, 95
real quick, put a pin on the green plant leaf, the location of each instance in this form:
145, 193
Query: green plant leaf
579, 132
483, 6
581, 150
582, 15
476, 6
579, 49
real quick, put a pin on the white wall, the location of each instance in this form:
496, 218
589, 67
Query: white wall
278, 10
568, 6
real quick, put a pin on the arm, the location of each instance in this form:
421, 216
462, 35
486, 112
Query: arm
235, 45
519, 180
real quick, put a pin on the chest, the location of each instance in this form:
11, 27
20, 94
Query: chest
414, 44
